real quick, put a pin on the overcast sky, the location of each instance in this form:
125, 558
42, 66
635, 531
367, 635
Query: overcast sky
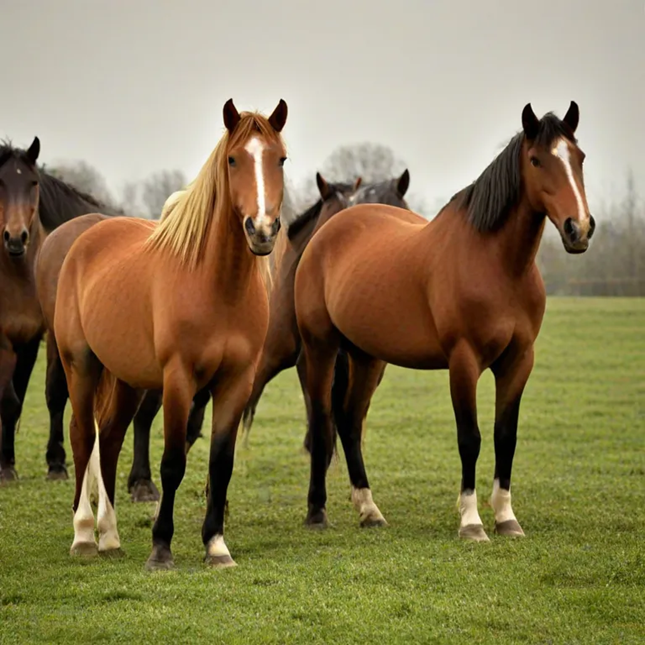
135, 86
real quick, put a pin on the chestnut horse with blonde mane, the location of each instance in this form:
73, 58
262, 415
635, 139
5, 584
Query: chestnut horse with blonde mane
194, 290
461, 292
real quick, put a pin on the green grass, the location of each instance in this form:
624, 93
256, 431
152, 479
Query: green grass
578, 490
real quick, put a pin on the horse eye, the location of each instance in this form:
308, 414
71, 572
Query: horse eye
282, 160
231, 161
535, 161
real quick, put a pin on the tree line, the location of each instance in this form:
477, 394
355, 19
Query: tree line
614, 265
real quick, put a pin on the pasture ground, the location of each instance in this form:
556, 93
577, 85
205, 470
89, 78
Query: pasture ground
579, 492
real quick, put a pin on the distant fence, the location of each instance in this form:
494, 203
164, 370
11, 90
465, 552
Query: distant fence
623, 287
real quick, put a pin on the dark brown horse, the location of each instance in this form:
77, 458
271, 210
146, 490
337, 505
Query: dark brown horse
194, 287
282, 346
32, 204
462, 292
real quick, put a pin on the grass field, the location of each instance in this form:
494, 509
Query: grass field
578, 490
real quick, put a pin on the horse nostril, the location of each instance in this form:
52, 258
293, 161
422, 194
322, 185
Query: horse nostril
570, 229
276, 226
6, 236
24, 237
592, 226
249, 226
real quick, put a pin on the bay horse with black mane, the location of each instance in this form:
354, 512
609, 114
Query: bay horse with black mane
194, 286
282, 346
461, 292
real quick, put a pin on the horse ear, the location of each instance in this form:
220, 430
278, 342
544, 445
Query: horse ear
403, 183
323, 186
34, 151
572, 116
357, 183
279, 116
530, 123
231, 115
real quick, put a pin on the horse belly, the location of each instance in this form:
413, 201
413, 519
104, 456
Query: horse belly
390, 326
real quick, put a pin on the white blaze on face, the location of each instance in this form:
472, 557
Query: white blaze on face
561, 151
255, 147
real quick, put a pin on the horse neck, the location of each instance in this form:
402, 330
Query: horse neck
227, 256
520, 238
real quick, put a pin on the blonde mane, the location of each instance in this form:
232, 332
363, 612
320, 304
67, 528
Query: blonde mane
185, 221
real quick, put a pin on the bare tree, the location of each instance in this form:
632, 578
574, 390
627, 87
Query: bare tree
158, 187
84, 177
371, 161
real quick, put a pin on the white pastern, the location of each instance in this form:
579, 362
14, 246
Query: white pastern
364, 504
562, 152
217, 547
84, 516
468, 509
500, 500
255, 147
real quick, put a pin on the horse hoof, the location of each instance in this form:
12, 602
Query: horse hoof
112, 553
8, 474
317, 520
84, 549
510, 528
373, 522
473, 532
160, 559
57, 473
144, 491
220, 561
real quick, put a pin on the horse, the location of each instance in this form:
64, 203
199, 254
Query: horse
47, 271
282, 346
461, 292
194, 287
32, 204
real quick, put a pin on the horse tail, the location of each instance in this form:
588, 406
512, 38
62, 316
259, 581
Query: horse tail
103, 398
339, 388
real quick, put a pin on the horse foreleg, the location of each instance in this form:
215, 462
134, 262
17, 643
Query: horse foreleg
511, 374
56, 395
229, 398
8, 399
280, 352
178, 392
196, 417
140, 484
464, 374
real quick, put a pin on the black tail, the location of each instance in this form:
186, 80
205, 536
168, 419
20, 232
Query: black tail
339, 388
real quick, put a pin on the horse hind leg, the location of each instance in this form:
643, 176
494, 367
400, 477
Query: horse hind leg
56, 395
83, 377
113, 421
140, 484
355, 381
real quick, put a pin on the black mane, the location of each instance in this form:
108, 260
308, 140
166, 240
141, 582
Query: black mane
59, 201
313, 211
492, 196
